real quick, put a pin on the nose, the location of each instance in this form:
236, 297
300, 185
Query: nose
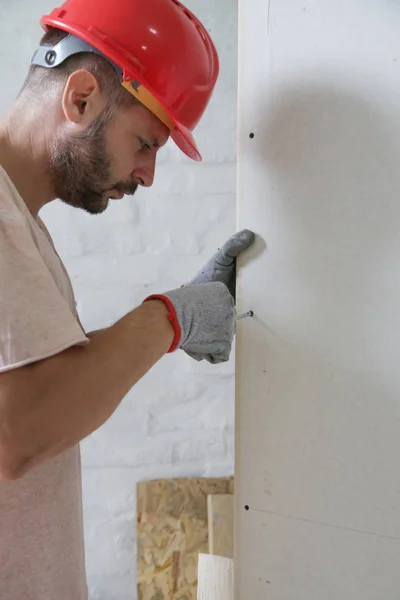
144, 173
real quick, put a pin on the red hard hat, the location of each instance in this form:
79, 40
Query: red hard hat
167, 57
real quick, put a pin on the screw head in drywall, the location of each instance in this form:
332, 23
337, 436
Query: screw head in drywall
250, 313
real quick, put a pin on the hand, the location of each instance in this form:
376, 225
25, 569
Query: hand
204, 319
202, 311
222, 266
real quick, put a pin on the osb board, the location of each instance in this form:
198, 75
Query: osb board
172, 529
220, 509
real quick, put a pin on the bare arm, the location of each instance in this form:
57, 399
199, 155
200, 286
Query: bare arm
49, 406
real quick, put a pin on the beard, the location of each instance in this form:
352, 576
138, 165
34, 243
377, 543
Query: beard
80, 169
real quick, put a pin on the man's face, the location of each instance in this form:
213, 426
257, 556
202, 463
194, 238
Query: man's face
111, 158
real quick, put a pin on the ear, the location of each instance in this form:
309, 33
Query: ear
82, 100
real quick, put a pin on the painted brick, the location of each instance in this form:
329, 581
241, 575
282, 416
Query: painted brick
118, 446
201, 446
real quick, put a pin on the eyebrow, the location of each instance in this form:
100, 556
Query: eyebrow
155, 142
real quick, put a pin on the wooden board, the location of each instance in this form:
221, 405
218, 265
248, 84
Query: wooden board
220, 508
215, 575
172, 530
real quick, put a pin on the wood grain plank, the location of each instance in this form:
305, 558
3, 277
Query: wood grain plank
215, 574
220, 508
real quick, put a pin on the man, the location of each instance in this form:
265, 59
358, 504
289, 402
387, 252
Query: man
108, 85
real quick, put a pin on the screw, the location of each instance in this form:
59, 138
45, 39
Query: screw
250, 313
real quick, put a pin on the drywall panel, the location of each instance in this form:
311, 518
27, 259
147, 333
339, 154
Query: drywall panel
317, 496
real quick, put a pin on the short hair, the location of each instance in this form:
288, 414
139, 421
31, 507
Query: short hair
40, 80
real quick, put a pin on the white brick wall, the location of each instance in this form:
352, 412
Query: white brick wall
178, 421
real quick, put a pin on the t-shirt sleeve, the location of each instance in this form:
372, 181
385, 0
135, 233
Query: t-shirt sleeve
36, 321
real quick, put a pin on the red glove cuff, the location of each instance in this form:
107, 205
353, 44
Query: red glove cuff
172, 318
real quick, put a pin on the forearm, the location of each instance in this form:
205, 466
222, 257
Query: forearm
63, 399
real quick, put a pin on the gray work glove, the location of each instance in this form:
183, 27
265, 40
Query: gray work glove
203, 311
203, 316
222, 266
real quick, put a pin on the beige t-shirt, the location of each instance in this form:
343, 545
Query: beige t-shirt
41, 531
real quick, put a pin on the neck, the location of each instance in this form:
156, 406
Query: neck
24, 155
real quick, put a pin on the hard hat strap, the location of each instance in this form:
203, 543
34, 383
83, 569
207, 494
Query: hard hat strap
53, 56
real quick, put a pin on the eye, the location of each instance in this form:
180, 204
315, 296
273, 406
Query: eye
144, 145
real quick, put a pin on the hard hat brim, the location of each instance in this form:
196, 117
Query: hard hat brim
185, 141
